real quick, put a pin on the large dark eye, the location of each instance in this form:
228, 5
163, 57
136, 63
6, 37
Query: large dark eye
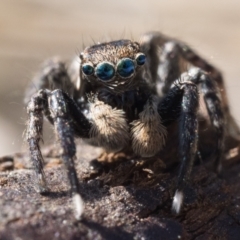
87, 68
105, 71
125, 67
140, 59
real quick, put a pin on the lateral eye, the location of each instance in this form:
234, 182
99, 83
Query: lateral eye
140, 59
125, 67
105, 71
87, 68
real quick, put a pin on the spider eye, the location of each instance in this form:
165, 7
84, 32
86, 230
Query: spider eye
125, 67
105, 71
140, 59
87, 69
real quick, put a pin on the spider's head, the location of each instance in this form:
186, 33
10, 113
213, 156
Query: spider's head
114, 65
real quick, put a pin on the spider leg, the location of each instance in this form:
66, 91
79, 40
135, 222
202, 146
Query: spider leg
169, 68
54, 75
68, 121
184, 99
165, 66
191, 56
59, 108
163, 60
35, 110
212, 100
150, 45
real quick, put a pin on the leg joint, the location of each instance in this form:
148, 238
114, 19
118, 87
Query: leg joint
57, 104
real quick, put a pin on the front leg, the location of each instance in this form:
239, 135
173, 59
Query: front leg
188, 138
66, 117
65, 134
182, 102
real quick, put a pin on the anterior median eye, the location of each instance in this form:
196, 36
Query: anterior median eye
105, 71
87, 69
140, 59
125, 67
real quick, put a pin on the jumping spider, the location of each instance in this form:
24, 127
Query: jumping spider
125, 94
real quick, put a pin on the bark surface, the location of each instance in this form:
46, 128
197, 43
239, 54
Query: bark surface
125, 197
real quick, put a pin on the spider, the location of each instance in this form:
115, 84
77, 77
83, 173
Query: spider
124, 93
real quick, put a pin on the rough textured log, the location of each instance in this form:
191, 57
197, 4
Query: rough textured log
126, 197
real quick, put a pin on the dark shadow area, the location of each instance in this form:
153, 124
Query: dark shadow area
115, 233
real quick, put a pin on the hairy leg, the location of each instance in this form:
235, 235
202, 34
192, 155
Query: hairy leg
68, 122
52, 75
184, 99
164, 68
212, 100
35, 109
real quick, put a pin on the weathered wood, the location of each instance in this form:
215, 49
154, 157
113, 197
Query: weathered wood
127, 199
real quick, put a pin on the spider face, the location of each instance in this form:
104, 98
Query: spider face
113, 65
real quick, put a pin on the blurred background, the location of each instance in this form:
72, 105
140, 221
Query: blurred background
33, 30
